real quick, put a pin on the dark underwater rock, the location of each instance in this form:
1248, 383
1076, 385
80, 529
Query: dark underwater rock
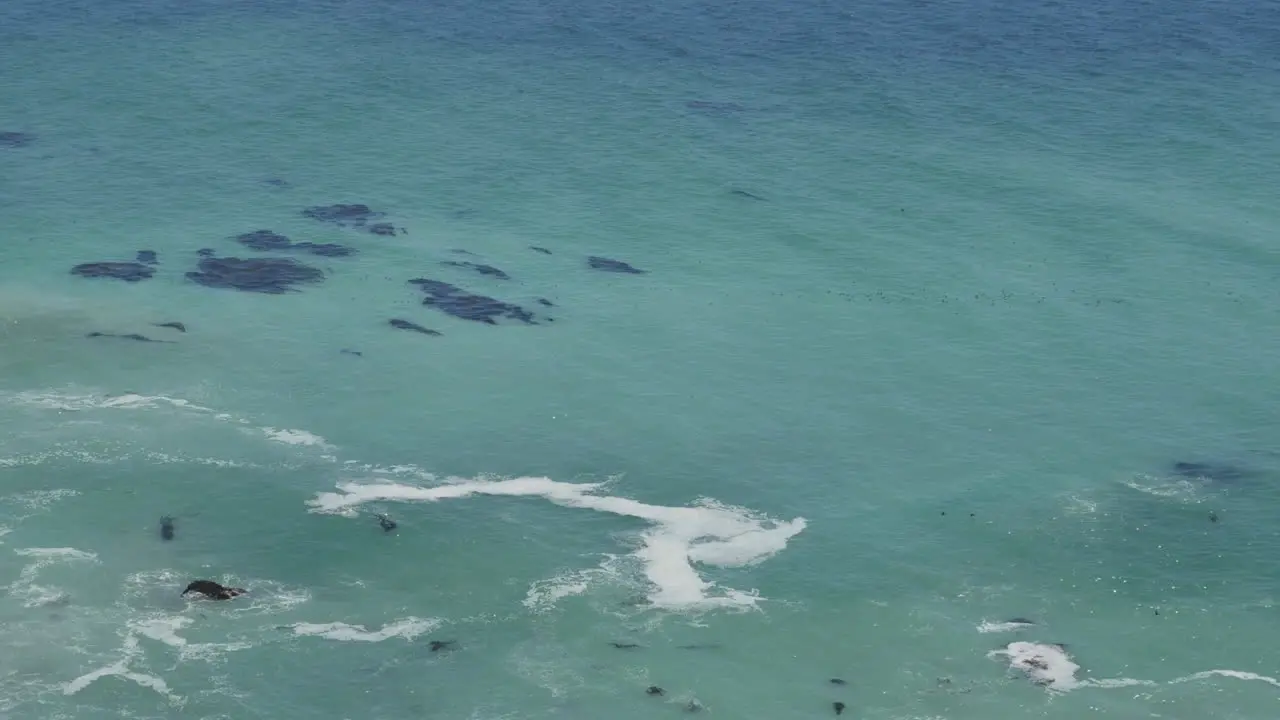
273, 276
267, 240
459, 303
482, 269
714, 108
147, 257
546, 302
205, 252
130, 336
349, 351
342, 214
745, 194
608, 265
12, 139
264, 240
324, 249
384, 229
127, 271
277, 183
542, 250
1219, 472
175, 325
406, 325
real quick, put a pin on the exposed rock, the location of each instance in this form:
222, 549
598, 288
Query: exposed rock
608, 265
406, 325
482, 269
175, 325
127, 271
461, 304
273, 276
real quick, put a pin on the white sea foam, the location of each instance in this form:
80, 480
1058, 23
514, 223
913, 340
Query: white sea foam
988, 626
1179, 489
544, 594
1046, 665
165, 629
709, 533
1050, 666
120, 668
287, 436
1236, 674
34, 595
409, 628
126, 401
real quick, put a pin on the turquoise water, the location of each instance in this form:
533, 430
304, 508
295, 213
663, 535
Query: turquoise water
1006, 264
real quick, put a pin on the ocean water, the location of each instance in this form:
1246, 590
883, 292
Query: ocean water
935, 298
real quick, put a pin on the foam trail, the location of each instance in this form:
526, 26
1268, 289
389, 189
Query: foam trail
120, 668
409, 628
38, 595
165, 629
712, 534
127, 401
1237, 674
1005, 626
288, 436
1050, 666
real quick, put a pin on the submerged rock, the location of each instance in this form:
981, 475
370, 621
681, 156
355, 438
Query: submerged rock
12, 139
385, 229
130, 336
175, 325
482, 269
205, 252
342, 214
459, 303
1219, 472
268, 240
273, 276
542, 250
147, 257
127, 271
264, 240
324, 249
608, 265
406, 325
714, 108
